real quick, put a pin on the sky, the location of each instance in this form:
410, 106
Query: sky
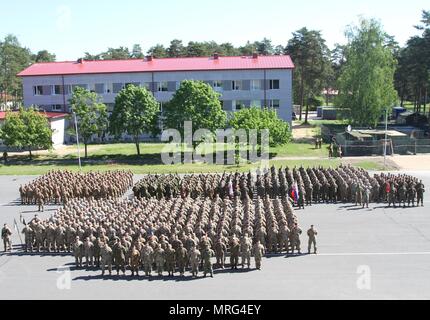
71, 28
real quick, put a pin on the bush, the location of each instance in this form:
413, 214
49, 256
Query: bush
260, 119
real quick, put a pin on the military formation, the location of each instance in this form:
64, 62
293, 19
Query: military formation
168, 236
345, 184
177, 224
58, 187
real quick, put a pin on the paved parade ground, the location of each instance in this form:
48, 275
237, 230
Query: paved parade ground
375, 253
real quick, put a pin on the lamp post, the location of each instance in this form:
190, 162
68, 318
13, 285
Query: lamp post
386, 136
77, 141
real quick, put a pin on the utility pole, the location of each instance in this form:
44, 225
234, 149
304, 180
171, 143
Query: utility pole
77, 141
386, 136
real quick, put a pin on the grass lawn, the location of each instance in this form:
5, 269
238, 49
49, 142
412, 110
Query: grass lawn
185, 168
123, 156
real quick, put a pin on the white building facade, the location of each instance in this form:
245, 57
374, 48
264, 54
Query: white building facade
241, 81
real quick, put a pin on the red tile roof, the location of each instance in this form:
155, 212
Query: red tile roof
158, 65
49, 115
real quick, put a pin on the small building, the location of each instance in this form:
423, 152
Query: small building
57, 121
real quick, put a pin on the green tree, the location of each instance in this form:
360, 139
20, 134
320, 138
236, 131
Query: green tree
92, 57
176, 49
366, 83
26, 129
13, 59
43, 56
312, 58
135, 113
248, 49
91, 114
195, 101
121, 53
262, 119
158, 51
197, 49
137, 52
412, 77
265, 47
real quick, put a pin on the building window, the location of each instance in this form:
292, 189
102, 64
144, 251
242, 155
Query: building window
255, 85
163, 86
100, 88
256, 103
217, 85
38, 90
238, 105
236, 85
274, 85
58, 90
117, 87
57, 107
275, 104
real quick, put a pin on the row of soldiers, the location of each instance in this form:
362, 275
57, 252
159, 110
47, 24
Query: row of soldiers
226, 185
58, 187
143, 232
344, 184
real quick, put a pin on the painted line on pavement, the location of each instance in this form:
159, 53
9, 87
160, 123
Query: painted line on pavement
376, 254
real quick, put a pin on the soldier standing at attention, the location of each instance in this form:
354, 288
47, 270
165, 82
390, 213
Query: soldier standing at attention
194, 257
339, 152
220, 251
134, 260
234, 253
259, 252
159, 259
170, 260
181, 256
147, 258
330, 150
207, 254
106, 258
77, 251
6, 233
296, 232
420, 193
312, 233
366, 197
28, 238
119, 256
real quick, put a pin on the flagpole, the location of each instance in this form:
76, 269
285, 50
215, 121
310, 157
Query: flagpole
17, 230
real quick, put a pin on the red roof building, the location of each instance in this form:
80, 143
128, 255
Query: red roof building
49, 115
158, 65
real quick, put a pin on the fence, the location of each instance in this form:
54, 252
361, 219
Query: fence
401, 146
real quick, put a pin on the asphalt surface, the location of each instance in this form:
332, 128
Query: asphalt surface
364, 254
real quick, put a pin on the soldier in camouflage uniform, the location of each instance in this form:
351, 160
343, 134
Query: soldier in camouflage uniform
6, 233
194, 257
170, 260
147, 258
106, 255
181, 257
312, 234
159, 257
259, 252
207, 254
77, 251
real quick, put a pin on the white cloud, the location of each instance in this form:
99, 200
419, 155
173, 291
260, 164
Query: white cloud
64, 18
